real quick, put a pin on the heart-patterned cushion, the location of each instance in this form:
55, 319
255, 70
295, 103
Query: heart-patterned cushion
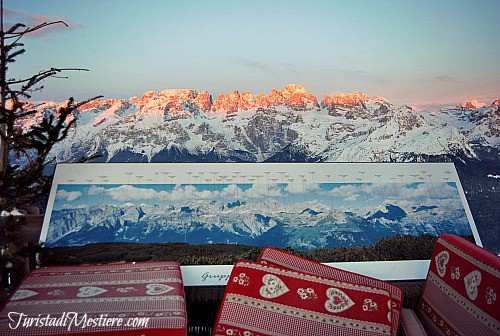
76, 296
441, 260
279, 258
338, 301
465, 279
275, 300
90, 291
472, 281
22, 294
273, 287
158, 289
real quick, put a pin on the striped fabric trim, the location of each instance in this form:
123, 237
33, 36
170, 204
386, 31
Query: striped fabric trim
317, 279
102, 283
285, 259
438, 294
255, 307
108, 299
474, 261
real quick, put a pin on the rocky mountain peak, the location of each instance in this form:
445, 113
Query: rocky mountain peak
381, 100
151, 94
247, 101
183, 95
297, 97
345, 100
227, 103
276, 97
203, 101
179, 125
172, 101
262, 100
98, 103
294, 96
472, 104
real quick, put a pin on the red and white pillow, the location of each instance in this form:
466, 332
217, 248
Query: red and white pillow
262, 299
148, 298
461, 289
280, 258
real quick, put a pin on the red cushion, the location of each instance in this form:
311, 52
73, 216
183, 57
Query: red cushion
281, 258
60, 299
265, 300
460, 292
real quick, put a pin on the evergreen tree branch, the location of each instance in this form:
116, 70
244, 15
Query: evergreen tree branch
23, 180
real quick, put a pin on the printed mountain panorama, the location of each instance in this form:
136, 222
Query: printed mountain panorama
290, 125
303, 225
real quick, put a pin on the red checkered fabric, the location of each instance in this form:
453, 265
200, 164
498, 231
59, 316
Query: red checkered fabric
148, 299
265, 300
273, 256
460, 292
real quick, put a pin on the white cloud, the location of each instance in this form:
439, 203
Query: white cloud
262, 190
302, 188
405, 194
352, 197
347, 192
128, 192
68, 195
95, 190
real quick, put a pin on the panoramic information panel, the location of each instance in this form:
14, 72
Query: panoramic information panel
306, 206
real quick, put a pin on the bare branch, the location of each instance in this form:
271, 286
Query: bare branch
19, 35
14, 28
44, 74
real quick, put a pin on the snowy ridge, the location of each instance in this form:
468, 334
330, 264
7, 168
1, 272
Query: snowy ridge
480, 125
185, 125
268, 221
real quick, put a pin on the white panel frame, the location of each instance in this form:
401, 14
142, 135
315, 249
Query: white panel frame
122, 173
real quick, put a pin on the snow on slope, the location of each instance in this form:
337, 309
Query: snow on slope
344, 128
480, 125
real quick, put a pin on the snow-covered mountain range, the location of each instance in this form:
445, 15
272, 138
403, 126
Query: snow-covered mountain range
286, 125
306, 226
291, 125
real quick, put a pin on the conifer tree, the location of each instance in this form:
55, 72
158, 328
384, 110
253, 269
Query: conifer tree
24, 152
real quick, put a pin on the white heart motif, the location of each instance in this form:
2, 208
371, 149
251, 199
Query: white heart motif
23, 294
441, 262
273, 287
158, 289
471, 281
338, 301
89, 291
